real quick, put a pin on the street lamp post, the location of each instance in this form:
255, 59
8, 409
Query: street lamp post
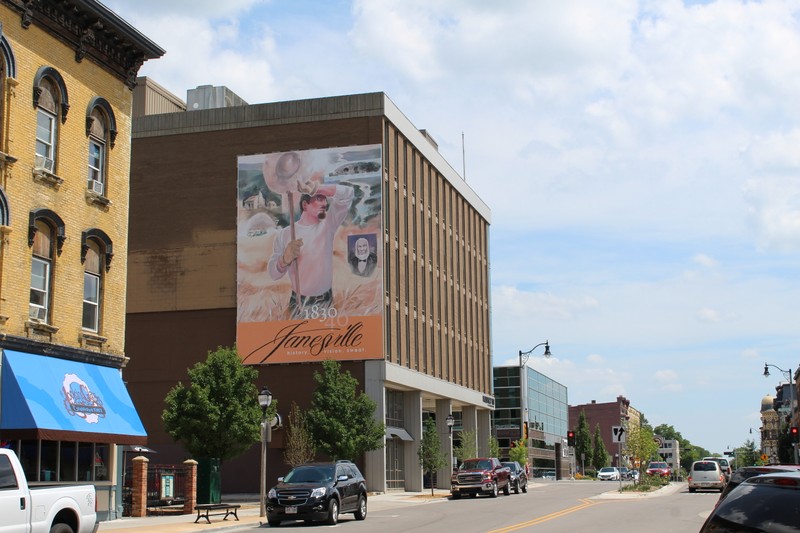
523, 359
792, 399
264, 400
450, 420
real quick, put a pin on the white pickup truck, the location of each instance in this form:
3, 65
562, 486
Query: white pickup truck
55, 509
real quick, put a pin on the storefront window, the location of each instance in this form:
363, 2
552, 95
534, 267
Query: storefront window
85, 461
29, 457
67, 463
101, 462
49, 463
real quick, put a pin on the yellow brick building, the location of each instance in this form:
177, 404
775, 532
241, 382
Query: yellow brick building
67, 71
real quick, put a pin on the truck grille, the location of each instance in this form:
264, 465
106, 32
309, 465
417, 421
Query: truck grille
470, 478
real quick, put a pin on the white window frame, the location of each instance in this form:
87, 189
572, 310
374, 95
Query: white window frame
89, 304
46, 145
44, 291
97, 168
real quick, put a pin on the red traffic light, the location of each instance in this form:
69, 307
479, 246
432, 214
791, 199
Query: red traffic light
794, 434
570, 438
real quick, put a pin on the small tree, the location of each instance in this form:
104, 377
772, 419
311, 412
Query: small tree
217, 415
640, 444
430, 453
299, 444
599, 455
519, 452
583, 442
342, 421
467, 448
494, 447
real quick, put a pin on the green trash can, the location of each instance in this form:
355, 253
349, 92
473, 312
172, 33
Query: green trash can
209, 480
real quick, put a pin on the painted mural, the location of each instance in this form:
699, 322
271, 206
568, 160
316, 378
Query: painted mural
310, 255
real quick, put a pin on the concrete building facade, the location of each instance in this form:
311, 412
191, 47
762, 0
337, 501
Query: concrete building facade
67, 70
433, 357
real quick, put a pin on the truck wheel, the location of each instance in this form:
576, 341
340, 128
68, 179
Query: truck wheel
493, 494
273, 523
456, 495
505, 489
61, 528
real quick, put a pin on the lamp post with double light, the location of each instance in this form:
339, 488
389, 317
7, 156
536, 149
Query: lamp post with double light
523, 359
264, 400
792, 400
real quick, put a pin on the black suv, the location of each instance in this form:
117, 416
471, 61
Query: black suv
519, 479
318, 491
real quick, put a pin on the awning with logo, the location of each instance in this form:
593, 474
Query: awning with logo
56, 399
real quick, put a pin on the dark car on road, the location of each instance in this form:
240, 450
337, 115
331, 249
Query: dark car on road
318, 492
746, 472
519, 479
767, 502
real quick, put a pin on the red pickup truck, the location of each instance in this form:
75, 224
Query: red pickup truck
484, 475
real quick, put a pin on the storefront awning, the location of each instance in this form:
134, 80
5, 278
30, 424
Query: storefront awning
56, 399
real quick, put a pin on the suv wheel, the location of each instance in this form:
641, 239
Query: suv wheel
516, 487
333, 512
361, 511
525, 487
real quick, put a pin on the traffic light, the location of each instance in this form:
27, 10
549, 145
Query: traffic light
570, 438
794, 434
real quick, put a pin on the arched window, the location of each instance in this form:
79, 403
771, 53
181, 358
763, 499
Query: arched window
92, 285
101, 129
50, 101
96, 254
5, 215
42, 271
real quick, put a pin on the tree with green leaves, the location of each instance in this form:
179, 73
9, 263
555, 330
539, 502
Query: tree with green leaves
217, 415
599, 454
640, 445
519, 452
342, 420
299, 446
431, 456
467, 447
494, 447
583, 442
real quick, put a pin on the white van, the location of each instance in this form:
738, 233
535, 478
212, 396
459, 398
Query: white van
724, 465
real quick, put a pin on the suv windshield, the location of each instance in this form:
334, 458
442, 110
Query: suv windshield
309, 474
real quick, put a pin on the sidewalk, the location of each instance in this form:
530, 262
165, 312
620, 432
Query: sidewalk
248, 514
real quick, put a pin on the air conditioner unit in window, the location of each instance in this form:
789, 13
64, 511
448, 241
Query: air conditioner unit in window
96, 187
44, 163
37, 313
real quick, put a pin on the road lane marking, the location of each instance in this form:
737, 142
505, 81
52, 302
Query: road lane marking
585, 502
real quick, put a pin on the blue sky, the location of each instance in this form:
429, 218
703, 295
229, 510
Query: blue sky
641, 161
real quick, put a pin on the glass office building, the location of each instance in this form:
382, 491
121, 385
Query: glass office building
534, 408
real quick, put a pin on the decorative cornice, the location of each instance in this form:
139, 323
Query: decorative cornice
93, 31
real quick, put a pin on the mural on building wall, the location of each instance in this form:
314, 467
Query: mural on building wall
310, 255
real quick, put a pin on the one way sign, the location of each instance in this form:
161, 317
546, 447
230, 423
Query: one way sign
617, 434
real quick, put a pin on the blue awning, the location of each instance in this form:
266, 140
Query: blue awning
56, 399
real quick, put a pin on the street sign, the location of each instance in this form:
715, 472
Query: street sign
764, 457
617, 434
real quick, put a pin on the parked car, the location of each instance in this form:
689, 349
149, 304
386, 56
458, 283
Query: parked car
62, 508
609, 473
634, 474
318, 492
519, 479
549, 474
658, 468
705, 475
724, 465
746, 472
761, 503
484, 475
624, 472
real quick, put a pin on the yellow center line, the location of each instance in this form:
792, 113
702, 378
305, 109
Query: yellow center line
585, 503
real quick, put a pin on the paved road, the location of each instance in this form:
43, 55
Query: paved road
562, 506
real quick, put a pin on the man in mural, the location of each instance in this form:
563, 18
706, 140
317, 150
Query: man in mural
362, 260
308, 258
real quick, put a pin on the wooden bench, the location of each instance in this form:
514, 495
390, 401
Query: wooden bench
204, 510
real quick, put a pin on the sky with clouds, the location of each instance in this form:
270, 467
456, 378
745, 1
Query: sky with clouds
641, 160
